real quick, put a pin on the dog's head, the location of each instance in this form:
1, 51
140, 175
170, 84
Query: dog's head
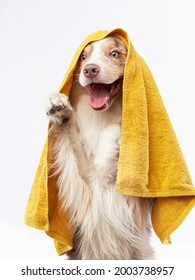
101, 69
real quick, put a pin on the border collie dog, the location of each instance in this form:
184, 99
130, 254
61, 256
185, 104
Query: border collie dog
86, 127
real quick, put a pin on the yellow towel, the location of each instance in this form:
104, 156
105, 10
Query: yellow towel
151, 163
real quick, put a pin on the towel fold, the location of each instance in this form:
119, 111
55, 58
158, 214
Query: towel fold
151, 163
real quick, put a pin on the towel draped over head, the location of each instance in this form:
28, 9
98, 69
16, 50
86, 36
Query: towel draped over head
151, 163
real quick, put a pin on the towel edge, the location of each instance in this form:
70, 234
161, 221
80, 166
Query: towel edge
166, 234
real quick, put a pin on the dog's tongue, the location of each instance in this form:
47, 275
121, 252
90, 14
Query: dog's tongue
99, 95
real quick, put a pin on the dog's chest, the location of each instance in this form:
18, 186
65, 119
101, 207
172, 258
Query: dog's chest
91, 123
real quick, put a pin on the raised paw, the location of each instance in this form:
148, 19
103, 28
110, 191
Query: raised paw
58, 108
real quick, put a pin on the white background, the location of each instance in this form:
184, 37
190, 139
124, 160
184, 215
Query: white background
37, 41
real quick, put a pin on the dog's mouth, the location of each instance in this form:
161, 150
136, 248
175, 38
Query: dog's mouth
102, 95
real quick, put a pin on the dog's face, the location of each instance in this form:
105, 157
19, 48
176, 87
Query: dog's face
101, 70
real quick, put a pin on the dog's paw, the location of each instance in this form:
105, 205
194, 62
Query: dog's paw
58, 108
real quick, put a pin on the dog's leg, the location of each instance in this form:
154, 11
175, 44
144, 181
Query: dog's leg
106, 160
69, 159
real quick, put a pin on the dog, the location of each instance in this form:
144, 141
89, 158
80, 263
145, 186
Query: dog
86, 127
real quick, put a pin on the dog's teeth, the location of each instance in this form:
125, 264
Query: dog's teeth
112, 88
92, 86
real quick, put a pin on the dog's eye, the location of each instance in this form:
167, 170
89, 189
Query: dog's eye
114, 54
83, 57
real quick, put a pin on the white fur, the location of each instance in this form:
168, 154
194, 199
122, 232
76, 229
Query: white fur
108, 225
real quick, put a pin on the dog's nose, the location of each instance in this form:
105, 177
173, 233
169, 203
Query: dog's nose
91, 70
